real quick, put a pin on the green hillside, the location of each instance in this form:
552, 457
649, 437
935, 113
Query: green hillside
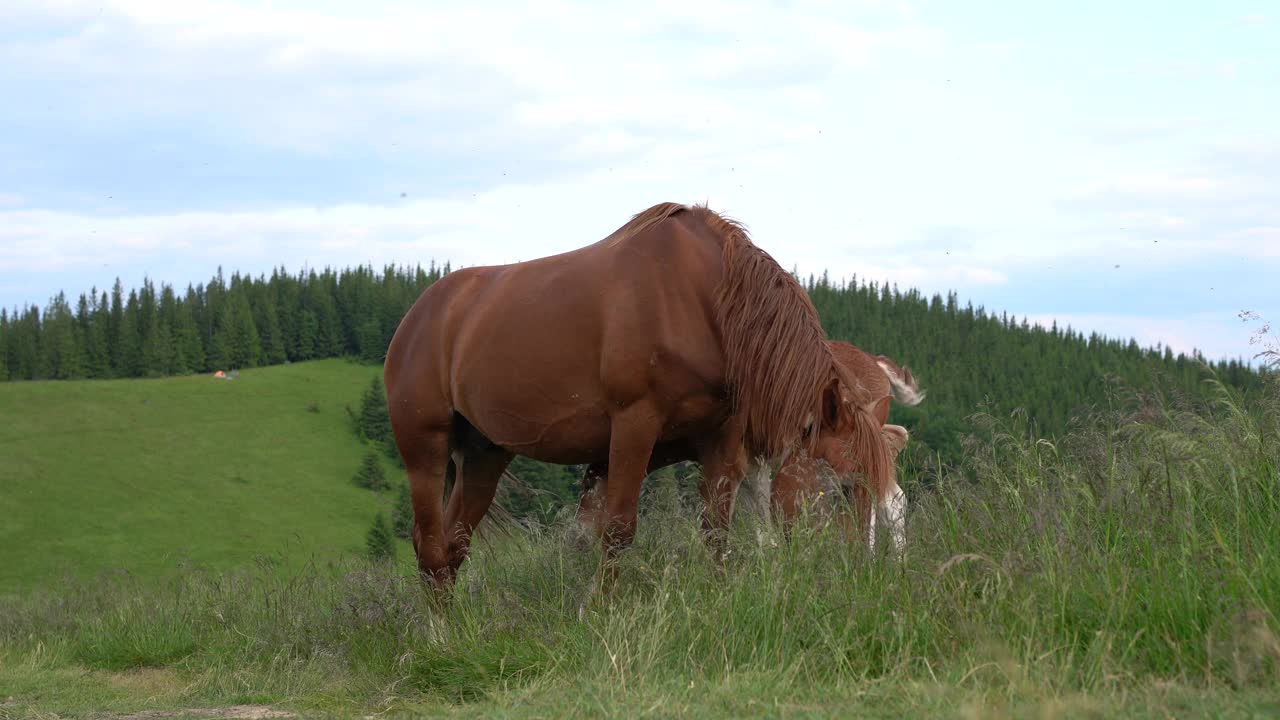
145, 474
105, 464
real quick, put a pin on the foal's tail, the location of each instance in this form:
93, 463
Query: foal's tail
905, 388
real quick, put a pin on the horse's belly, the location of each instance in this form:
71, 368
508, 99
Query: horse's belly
571, 441
693, 415
561, 430
569, 432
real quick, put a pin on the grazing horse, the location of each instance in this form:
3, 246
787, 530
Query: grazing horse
876, 381
673, 336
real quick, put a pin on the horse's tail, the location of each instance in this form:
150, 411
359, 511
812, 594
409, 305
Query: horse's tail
777, 360
904, 386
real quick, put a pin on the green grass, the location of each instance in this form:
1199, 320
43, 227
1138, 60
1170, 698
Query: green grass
1132, 569
145, 476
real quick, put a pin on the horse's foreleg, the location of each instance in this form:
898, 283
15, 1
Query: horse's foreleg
473, 491
724, 464
632, 436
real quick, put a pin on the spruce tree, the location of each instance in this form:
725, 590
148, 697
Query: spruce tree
26, 362
374, 421
174, 359
94, 334
308, 333
235, 340
4, 345
380, 544
369, 337
151, 355
156, 346
130, 351
64, 357
328, 326
115, 328
370, 475
186, 334
273, 348
402, 513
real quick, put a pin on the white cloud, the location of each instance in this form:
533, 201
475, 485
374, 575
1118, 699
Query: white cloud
310, 78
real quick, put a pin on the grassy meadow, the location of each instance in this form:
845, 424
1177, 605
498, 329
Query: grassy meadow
1130, 569
146, 475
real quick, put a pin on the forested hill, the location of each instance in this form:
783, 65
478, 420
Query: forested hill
963, 356
960, 354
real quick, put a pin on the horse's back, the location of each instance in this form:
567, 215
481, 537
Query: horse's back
866, 378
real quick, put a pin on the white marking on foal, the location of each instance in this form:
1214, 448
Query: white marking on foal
893, 509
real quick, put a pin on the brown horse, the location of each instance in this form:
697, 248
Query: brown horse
674, 335
876, 382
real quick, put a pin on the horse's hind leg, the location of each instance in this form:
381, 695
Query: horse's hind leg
422, 425
479, 469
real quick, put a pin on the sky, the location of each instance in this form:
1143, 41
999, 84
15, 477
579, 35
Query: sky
1113, 167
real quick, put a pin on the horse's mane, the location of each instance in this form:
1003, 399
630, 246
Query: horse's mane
645, 219
777, 361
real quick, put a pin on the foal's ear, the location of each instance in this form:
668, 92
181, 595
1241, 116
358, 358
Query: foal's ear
833, 404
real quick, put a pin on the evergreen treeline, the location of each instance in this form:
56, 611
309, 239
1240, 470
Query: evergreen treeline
222, 325
963, 356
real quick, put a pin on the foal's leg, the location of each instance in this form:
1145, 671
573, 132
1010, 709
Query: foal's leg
797, 483
892, 514
892, 506
591, 500
479, 470
864, 509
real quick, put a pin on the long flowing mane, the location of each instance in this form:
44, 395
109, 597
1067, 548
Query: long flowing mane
777, 360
